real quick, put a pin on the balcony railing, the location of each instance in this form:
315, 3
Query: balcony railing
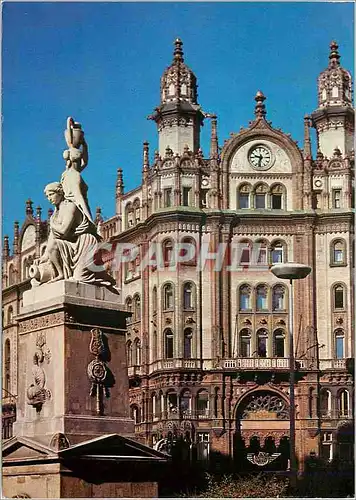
169, 364
332, 364
256, 363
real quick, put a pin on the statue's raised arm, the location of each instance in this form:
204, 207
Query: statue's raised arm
73, 240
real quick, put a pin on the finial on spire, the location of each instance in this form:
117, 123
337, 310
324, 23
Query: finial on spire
260, 108
334, 55
178, 51
6, 248
119, 182
38, 213
146, 161
29, 209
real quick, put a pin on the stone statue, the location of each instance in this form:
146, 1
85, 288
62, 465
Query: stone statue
73, 238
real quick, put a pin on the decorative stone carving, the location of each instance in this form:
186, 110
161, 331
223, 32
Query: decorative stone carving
262, 458
49, 320
59, 441
99, 374
37, 393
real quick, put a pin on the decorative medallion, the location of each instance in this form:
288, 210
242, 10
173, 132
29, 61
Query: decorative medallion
98, 372
262, 458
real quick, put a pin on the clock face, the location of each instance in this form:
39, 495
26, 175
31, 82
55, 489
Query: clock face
260, 157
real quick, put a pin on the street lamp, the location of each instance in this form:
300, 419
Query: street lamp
291, 271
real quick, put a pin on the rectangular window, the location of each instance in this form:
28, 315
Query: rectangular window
260, 201
245, 350
338, 255
244, 200
337, 198
186, 196
276, 201
277, 255
203, 446
327, 446
168, 197
339, 347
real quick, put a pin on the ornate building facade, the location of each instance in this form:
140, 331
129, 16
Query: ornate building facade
207, 345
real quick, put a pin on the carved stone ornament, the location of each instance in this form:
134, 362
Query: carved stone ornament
37, 393
98, 372
262, 458
59, 441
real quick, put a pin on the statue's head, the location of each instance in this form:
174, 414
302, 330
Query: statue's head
54, 192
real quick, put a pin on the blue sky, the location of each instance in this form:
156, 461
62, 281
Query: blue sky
101, 63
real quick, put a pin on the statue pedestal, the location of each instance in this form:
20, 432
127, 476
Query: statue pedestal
55, 332
73, 400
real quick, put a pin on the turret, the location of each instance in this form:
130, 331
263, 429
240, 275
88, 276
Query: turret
334, 118
179, 116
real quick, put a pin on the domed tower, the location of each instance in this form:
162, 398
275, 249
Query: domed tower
334, 118
179, 116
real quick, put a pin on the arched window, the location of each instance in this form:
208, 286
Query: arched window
156, 405
278, 298
129, 212
262, 298
203, 404
168, 298
137, 352
343, 404
25, 269
245, 298
154, 300
261, 191
189, 252
245, 343
310, 402
188, 336
7, 367
168, 344
137, 308
12, 273
323, 95
10, 313
335, 92
129, 353
129, 309
154, 346
278, 343
278, 252
188, 296
244, 196
325, 403
261, 248
339, 297
168, 255
339, 343
172, 403
277, 197
262, 342
135, 414
136, 210
338, 253
186, 403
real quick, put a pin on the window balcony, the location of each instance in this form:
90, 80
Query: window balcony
169, 364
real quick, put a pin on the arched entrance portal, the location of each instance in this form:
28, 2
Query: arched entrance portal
262, 432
